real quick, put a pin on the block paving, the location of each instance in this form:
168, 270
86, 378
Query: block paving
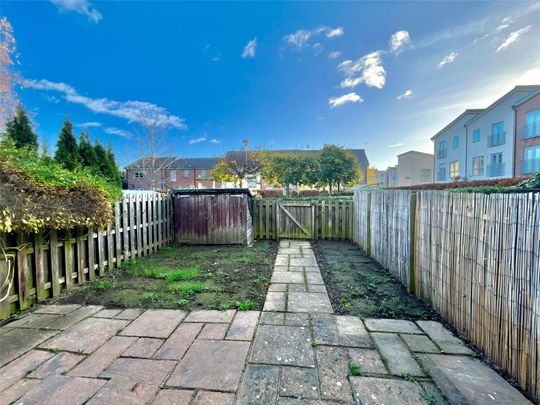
295, 351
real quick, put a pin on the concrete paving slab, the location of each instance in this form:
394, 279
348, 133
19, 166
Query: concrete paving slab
283, 345
143, 348
272, 318
11, 373
289, 277
57, 309
178, 343
243, 326
338, 330
379, 391
333, 366
16, 342
17, 390
260, 385
391, 325
444, 338
130, 314
66, 321
156, 323
58, 365
309, 302
213, 398
167, 396
299, 382
213, 331
398, 358
143, 370
420, 344
368, 360
275, 301
210, 316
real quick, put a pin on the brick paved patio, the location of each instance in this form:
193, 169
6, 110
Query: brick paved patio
295, 351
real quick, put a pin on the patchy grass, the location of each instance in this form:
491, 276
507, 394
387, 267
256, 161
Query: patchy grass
186, 277
359, 286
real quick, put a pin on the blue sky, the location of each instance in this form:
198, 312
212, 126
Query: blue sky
384, 76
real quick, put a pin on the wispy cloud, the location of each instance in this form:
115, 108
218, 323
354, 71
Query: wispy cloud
132, 110
345, 99
368, 69
80, 7
216, 141
250, 49
450, 58
396, 145
90, 124
301, 39
334, 55
398, 41
513, 37
197, 140
407, 94
335, 32
119, 132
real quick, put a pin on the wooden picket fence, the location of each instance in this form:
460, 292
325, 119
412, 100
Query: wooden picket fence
474, 257
331, 219
44, 264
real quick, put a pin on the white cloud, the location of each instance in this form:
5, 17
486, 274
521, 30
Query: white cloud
345, 99
368, 69
513, 37
334, 55
119, 132
197, 140
132, 110
80, 7
299, 39
90, 124
450, 58
398, 41
216, 141
216, 58
334, 32
396, 145
250, 49
407, 94
318, 48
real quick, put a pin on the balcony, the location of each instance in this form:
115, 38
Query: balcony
495, 170
442, 154
496, 139
530, 131
441, 175
529, 166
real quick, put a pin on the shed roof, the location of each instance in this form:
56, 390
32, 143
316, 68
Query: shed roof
212, 191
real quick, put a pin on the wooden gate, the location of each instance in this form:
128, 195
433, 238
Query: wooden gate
295, 220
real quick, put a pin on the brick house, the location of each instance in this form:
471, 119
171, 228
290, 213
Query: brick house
171, 172
527, 130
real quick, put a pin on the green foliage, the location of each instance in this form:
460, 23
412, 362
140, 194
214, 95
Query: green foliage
67, 152
429, 398
187, 288
49, 196
245, 305
532, 183
87, 154
286, 169
354, 369
19, 130
105, 166
185, 274
337, 166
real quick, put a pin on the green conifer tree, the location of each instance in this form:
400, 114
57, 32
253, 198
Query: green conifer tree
87, 153
19, 130
67, 151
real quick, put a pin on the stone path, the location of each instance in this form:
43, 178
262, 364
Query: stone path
294, 352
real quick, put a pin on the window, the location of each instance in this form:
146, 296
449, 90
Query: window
532, 124
496, 167
455, 142
139, 175
441, 174
425, 176
476, 135
497, 134
441, 153
173, 175
478, 166
531, 160
186, 173
203, 172
454, 169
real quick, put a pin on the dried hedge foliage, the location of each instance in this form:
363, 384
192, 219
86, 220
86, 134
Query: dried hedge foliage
36, 193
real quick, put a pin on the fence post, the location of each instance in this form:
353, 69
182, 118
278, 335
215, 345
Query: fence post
368, 225
412, 242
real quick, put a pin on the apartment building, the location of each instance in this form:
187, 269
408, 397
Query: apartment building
171, 172
480, 144
450, 146
527, 129
414, 168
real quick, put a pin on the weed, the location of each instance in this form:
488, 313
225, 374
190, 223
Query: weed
79, 352
55, 350
187, 273
245, 306
31, 370
429, 398
354, 369
182, 303
153, 297
313, 343
245, 259
224, 307
409, 378
384, 360
187, 288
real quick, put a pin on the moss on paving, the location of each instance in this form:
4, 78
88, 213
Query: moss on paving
359, 286
186, 277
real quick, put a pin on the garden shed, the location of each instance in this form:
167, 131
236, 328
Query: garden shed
213, 216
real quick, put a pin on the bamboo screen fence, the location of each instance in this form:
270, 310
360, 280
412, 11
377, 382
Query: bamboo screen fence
475, 259
42, 265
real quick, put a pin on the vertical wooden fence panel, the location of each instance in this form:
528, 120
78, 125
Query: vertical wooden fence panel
45, 263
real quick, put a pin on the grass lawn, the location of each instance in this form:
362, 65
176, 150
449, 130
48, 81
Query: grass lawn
186, 277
